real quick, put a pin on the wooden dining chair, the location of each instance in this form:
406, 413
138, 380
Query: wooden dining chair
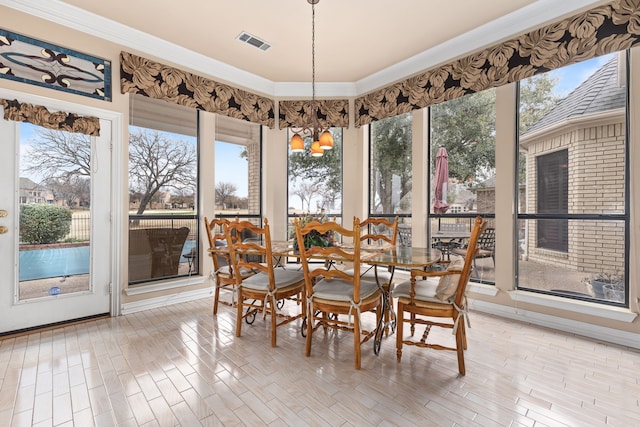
442, 295
331, 292
261, 291
219, 252
379, 231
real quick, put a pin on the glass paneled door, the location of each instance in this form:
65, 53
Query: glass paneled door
55, 216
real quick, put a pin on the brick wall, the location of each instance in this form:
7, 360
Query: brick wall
253, 152
596, 185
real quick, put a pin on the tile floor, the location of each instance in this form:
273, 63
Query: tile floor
179, 366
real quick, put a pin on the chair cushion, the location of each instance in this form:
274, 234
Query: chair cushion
484, 253
342, 290
448, 284
225, 271
367, 272
481, 253
425, 289
284, 278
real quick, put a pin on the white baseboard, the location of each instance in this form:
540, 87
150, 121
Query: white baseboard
615, 336
165, 300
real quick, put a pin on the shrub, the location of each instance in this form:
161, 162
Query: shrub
43, 223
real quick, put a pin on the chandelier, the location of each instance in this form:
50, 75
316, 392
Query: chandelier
321, 138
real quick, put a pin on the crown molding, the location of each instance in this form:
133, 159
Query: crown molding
518, 22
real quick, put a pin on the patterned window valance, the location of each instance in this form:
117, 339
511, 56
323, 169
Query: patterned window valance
602, 30
149, 78
331, 113
39, 115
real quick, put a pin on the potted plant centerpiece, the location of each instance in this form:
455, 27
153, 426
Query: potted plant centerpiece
314, 238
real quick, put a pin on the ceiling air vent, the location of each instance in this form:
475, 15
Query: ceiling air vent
253, 41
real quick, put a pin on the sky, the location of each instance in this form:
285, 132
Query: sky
572, 76
230, 167
27, 134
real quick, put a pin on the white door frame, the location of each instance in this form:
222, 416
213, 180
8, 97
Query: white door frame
117, 168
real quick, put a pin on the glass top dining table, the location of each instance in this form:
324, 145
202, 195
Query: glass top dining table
387, 255
394, 257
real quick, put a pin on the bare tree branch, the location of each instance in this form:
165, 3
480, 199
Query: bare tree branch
156, 162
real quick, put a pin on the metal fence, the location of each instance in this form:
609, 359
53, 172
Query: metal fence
80, 227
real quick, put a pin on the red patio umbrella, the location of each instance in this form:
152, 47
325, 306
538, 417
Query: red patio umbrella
440, 204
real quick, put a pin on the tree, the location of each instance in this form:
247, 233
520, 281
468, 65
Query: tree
58, 154
157, 162
536, 99
224, 192
71, 189
391, 157
466, 128
306, 191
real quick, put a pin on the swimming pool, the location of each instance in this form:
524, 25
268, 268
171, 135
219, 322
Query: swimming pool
53, 262
65, 261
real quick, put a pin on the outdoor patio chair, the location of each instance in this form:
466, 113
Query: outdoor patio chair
140, 257
486, 248
166, 246
262, 291
441, 295
404, 234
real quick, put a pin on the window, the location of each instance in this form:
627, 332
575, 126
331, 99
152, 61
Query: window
390, 172
463, 140
55, 187
315, 183
163, 191
553, 187
573, 215
237, 169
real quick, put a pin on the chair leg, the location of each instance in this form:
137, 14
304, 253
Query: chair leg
399, 324
356, 341
464, 333
216, 296
325, 317
239, 306
273, 321
460, 350
307, 343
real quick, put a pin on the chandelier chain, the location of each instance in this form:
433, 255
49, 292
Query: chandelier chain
313, 71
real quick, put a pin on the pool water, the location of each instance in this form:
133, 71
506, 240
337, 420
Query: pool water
58, 262
53, 262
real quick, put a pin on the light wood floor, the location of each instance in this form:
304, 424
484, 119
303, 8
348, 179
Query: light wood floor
180, 366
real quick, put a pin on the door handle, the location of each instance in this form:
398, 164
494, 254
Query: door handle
3, 213
3, 229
